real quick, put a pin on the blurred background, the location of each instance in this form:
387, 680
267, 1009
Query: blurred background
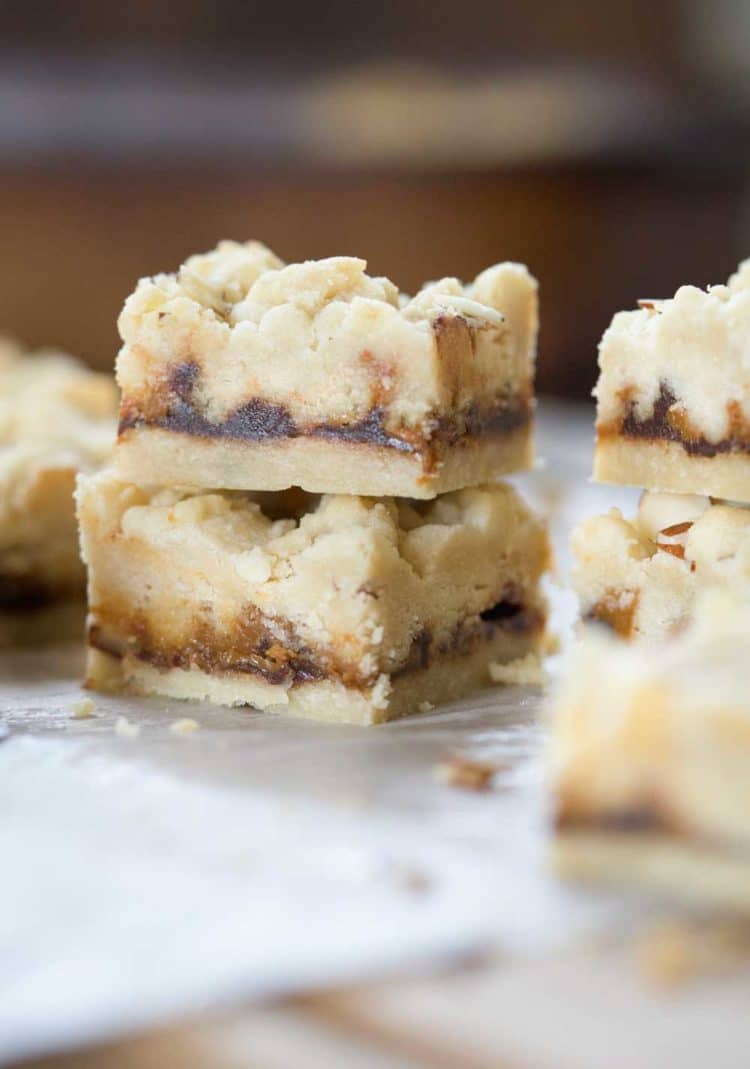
606, 145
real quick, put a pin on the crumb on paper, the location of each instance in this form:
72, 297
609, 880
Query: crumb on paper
552, 643
466, 773
83, 709
425, 707
524, 672
675, 952
185, 726
126, 729
413, 880
663, 955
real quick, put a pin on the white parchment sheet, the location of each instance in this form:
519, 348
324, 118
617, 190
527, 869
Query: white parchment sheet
143, 878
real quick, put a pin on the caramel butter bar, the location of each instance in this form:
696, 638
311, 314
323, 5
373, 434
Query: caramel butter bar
338, 608
56, 418
641, 576
674, 393
650, 760
239, 372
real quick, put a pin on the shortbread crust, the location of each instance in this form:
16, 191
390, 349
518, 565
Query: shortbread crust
641, 576
337, 608
663, 465
241, 372
56, 418
651, 759
674, 393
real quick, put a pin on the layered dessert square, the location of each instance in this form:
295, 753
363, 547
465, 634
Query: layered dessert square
651, 759
56, 418
239, 371
674, 393
337, 608
641, 576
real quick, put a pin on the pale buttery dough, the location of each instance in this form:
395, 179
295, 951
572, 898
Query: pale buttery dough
336, 608
239, 371
674, 393
641, 576
56, 418
650, 759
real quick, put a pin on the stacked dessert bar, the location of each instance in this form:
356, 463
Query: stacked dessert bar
303, 511
673, 417
651, 759
650, 737
56, 418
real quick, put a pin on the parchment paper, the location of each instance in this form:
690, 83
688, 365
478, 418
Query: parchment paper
148, 877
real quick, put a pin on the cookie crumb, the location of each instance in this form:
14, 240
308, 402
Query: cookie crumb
83, 709
125, 729
664, 955
425, 707
413, 880
466, 773
523, 672
673, 953
551, 644
185, 726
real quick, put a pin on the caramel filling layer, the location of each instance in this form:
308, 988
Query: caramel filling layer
621, 821
617, 611
270, 648
175, 409
27, 593
669, 422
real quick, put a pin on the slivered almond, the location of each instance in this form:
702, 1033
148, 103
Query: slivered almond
671, 539
672, 547
676, 529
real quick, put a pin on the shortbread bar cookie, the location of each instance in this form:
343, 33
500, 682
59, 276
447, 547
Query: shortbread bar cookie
651, 759
56, 418
338, 608
674, 393
241, 373
641, 576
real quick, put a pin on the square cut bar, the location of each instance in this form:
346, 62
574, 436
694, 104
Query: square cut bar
674, 393
641, 576
651, 760
56, 418
241, 373
339, 608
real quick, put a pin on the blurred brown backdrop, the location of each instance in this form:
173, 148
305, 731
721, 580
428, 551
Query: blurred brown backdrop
608, 146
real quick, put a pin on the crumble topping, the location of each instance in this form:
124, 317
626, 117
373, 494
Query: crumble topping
656, 736
324, 339
56, 418
641, 575
696, 347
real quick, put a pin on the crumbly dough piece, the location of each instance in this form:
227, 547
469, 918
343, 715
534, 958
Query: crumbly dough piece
338, 608
641, 576
674, 393
650, 759
56, 418
240, 371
